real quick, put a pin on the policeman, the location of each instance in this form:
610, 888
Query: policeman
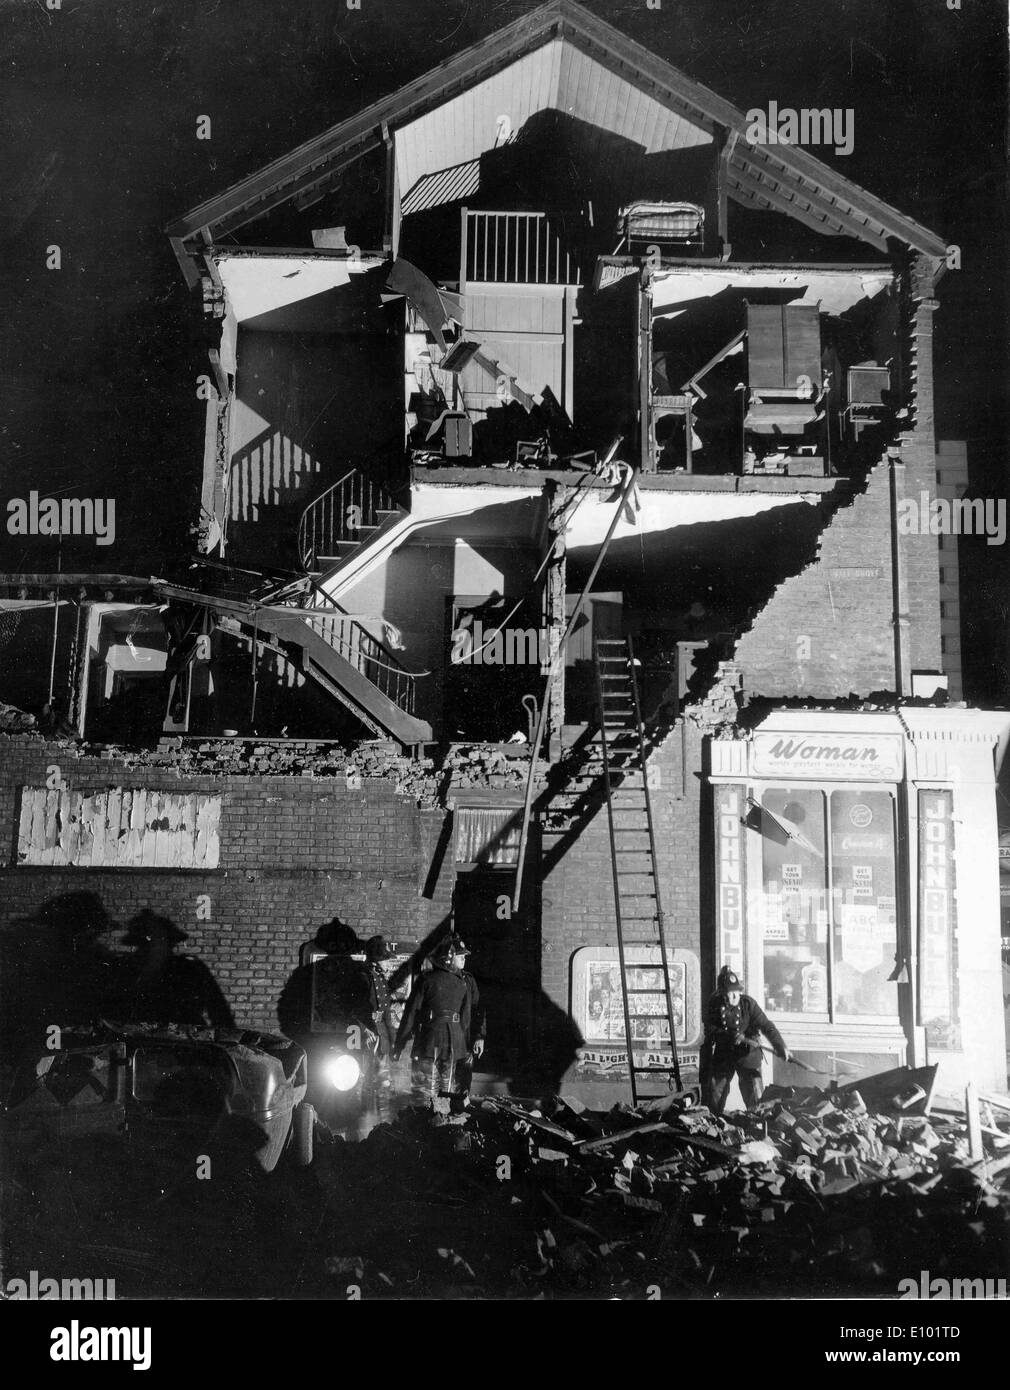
377, 950
475, 1033
733, 1025
438, 1019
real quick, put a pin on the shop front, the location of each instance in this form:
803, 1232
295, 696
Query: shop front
856, 889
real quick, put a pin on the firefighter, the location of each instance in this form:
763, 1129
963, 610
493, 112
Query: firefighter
734, 1023
438, 1019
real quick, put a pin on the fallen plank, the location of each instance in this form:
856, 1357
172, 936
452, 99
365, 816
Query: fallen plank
988, 1167
537, 1121
1000, 1102
886, 1086
710, 1145
618, 1137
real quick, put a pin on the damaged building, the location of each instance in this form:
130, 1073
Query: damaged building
551, 582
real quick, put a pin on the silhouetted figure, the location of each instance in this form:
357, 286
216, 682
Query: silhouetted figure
557, 1042
159, 986
294, 1008
54, 969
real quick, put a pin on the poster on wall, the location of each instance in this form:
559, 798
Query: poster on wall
603, 1018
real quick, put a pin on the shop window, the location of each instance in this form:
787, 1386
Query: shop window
827, 903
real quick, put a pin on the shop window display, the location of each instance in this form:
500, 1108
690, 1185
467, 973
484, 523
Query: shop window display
827, 905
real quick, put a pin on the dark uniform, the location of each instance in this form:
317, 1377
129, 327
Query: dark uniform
379, 1005
475, 1033
438, 1019
732, 1047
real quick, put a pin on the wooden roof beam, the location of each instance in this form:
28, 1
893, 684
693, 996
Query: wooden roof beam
802, 165
822, 217
744, 189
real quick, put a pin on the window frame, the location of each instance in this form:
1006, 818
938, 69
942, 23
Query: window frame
832, 1021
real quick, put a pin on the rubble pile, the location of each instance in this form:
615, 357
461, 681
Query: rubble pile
16, 721
810, 1193
299, 758
240, 757
485, 765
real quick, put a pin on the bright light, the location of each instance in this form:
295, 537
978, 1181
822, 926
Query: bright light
342, 1072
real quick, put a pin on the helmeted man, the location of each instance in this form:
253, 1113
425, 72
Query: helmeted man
734, 1023
377, 950
475, 1033
438, 1018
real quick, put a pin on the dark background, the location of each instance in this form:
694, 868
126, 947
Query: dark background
100, 101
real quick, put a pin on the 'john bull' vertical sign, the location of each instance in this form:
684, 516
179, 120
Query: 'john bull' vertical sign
937, 919
730, 877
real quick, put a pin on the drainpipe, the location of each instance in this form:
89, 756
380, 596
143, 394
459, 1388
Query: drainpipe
645, 371
899, 581
56, 622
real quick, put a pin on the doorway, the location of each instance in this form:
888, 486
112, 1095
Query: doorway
504, 960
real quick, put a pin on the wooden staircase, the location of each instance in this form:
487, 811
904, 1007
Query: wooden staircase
352, 666
343, 520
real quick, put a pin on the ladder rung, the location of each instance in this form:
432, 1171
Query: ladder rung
611, 641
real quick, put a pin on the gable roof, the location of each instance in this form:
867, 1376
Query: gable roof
780, 178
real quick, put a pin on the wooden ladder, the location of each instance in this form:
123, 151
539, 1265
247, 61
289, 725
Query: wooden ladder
639, 913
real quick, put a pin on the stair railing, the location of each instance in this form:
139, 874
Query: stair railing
339, 514
351, 640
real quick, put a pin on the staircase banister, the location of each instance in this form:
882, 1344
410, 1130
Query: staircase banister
335, 612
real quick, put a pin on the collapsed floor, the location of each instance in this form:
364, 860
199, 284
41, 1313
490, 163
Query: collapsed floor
810, 1194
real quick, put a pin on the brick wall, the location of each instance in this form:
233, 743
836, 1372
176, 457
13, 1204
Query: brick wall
828, 631
295, 851
578, 892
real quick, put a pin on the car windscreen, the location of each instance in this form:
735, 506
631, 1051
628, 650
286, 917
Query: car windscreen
179, 1081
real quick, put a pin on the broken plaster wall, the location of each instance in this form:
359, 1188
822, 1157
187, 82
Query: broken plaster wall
294, 851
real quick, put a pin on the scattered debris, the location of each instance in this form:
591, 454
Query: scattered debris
810, 1189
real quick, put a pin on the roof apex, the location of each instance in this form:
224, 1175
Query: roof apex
783, 177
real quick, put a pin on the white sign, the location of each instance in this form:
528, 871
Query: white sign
838, 757
862, 947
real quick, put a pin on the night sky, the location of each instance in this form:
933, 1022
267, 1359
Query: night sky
100, 101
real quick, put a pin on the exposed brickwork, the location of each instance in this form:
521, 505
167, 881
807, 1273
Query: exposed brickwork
828, 631
295, 851
578, 891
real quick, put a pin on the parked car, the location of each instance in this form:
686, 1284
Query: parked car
168, 1094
